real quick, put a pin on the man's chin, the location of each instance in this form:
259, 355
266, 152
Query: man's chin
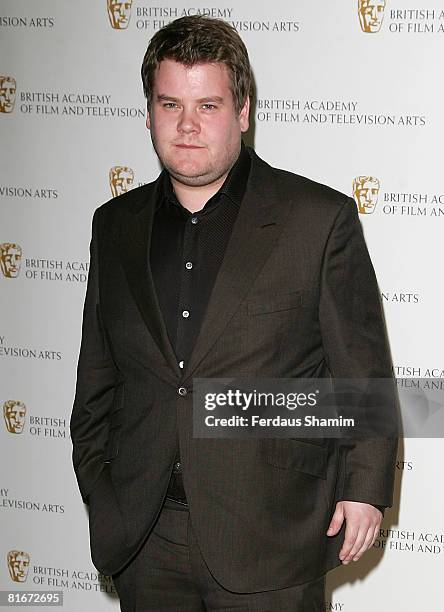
193, 177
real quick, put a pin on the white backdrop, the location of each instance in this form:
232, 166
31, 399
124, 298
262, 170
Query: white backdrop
334, 102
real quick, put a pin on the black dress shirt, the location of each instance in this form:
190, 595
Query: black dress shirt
185, 256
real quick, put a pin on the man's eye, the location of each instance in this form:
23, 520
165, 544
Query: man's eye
170, 105
209, 106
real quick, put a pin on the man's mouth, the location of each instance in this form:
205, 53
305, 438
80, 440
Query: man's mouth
185, 146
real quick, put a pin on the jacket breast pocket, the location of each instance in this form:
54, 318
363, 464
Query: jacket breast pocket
275, 303
115, 424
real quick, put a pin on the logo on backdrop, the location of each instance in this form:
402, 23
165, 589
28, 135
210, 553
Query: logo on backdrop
10, 501
371, 15
40, 269
14, 413
153, 18
8, 87
71, 103
28, 352
415, 371
10, 259
399, 20
119, 14
18, 565
121, 179
410, 541
366, 192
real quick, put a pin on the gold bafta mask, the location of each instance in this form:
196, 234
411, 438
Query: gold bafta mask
8, 88
121, 178
119, 13
371, 14
14, 413
18, 565
366, 191
10, 259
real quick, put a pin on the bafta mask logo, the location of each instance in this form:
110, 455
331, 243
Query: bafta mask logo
119, 13
10, 259
14, 413
371, 14
121, 178
8, 88
18, 565
366, 191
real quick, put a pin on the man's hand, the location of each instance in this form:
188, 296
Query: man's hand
362, 522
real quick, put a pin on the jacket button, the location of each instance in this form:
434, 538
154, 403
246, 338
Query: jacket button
182, 391
177, 467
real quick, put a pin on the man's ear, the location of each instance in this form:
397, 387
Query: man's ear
148, 119
244, 115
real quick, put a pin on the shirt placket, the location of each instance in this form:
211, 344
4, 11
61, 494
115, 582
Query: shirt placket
188, 266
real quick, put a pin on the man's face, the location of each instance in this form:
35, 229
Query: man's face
7, 95
195, 128
119, 13
122, 179
10, 262
371, 14
366, 192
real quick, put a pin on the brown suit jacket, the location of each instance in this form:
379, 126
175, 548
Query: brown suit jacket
296, 296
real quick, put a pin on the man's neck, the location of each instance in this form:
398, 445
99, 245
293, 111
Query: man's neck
195, 198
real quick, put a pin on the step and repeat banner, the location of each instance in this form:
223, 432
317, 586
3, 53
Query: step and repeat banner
349, 93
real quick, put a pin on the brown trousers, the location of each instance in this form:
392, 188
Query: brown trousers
169, 574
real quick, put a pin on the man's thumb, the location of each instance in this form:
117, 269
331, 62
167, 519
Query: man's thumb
337, 520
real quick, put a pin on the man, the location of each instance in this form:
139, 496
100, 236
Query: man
222, 267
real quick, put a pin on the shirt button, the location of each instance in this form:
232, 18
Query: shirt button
182, 391
185, 314
194, 220
188, 265
181, 364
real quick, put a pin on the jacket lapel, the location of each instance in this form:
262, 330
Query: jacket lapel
260, 220
135, 240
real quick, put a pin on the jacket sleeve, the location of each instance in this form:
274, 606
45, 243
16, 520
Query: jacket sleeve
96, 381
356, 347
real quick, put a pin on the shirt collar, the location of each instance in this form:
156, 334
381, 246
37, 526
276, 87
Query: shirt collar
233, 187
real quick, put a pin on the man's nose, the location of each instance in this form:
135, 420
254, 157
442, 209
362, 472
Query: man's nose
188, 122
